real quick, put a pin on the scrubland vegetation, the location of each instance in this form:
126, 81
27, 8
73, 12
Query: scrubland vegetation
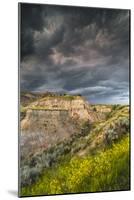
105, 171
96, 159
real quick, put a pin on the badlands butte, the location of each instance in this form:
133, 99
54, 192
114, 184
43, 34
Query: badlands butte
54, 125
52, 118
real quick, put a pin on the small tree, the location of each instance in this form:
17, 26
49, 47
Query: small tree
94, 109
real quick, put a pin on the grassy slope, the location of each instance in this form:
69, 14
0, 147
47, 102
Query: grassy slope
95, 141
100, 169
106, 171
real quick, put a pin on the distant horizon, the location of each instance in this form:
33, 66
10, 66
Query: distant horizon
75, 50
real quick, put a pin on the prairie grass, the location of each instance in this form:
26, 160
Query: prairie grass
107, 170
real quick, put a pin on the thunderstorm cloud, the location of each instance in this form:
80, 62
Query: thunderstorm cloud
75, 50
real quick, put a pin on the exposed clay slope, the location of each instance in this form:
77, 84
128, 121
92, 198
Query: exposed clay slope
76, 106
50, 120
41, 129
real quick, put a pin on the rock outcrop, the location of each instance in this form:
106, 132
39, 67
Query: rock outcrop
51, 120
41, 129
76, 106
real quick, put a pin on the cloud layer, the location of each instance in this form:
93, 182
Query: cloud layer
75, 50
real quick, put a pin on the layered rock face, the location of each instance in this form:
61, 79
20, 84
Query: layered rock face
41, 129
77, 107
51, 120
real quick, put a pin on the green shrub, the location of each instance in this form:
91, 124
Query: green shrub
94, 109
114, 107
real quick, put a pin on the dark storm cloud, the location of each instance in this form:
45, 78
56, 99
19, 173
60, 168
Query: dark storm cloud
75, 50
31, 20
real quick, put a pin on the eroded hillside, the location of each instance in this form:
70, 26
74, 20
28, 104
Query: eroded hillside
54, 128
52, 119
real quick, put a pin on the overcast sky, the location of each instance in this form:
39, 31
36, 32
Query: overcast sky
75, 50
